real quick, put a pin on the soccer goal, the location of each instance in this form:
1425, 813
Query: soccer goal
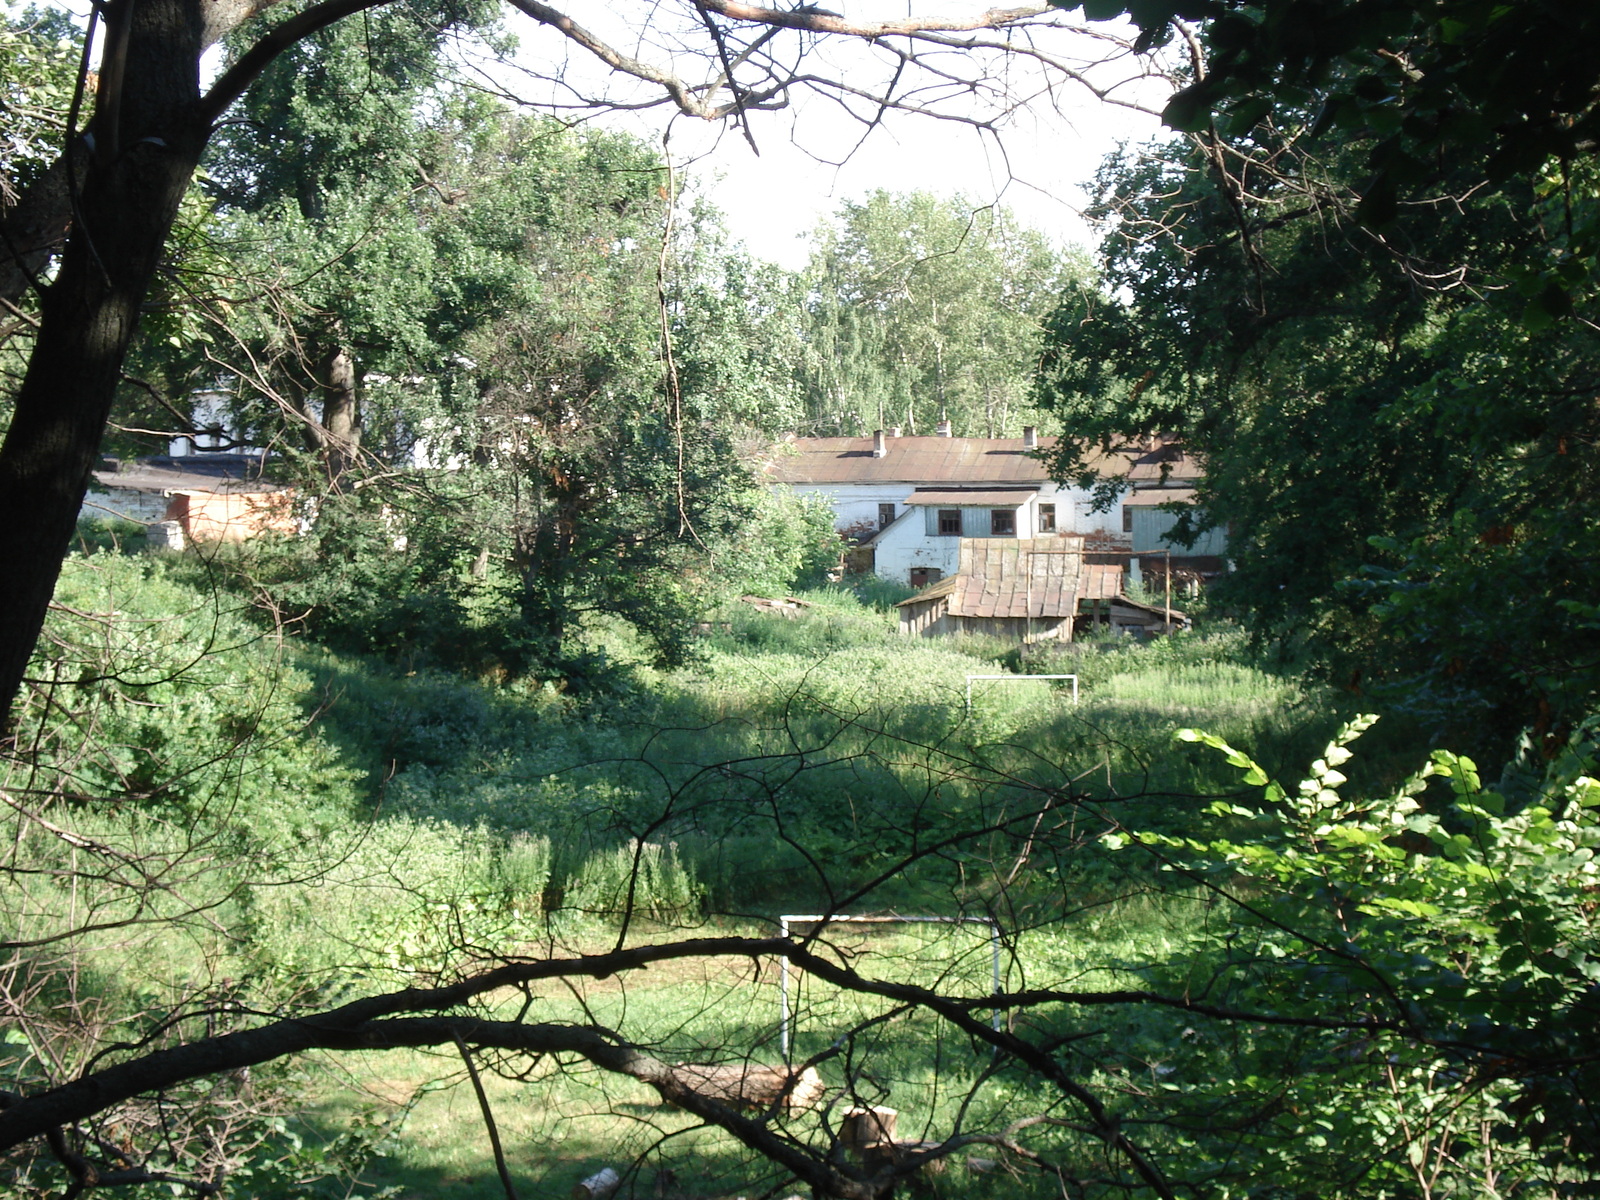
788, 1010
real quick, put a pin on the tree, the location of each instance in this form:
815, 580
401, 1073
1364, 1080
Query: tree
150, 126
1392, 425
925, 309
503, 295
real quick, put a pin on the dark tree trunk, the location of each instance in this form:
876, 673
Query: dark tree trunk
137, 175
37, 225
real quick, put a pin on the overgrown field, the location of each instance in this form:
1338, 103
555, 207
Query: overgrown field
295, 829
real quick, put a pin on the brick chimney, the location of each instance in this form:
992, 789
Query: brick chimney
1030, 437
943, 429
879, 446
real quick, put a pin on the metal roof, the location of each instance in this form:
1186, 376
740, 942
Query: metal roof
953, 460
1150, 497
238, 473
911, 460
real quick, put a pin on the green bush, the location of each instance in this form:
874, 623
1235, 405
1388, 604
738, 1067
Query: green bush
644, 879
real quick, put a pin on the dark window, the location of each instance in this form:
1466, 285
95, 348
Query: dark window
1047, 518
921, 577
949, 522
885, 515
1127, 518
1002, 521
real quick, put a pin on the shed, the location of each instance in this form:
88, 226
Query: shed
211, 497
1026, 589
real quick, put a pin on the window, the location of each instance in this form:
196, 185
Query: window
885, 515
1127, 518
1002, 521
949, 522
1047, 518
921, 577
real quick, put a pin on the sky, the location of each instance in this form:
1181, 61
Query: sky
774, 200
810, 160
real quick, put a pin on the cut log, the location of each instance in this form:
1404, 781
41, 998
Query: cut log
746, 1085
598, 1186
864, 1128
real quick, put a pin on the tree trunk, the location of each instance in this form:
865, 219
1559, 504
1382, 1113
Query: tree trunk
36, 227
87, 315
341, 415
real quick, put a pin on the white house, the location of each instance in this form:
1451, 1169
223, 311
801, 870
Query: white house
911, 500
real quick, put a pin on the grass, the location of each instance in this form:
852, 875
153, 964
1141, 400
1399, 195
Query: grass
564, 1122
797, 761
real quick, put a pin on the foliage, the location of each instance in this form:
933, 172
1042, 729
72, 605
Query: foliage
1461, 932
506, 327
643, 878
1419, 83
788, 544
38, 65
924, 309
1401, 460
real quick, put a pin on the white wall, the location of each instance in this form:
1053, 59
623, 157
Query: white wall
907, 543
854, 503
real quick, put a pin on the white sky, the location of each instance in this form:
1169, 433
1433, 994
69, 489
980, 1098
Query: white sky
809, 161
774, 200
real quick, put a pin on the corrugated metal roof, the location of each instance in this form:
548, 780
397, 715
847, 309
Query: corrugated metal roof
1150, 497
909, 460
971, 498
936, 460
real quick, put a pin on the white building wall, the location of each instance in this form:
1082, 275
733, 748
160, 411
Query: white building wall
906, 544
855, 504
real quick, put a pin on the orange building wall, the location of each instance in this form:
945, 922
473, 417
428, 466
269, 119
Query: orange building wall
231, 516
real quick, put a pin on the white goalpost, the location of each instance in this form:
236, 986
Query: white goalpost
786, 1016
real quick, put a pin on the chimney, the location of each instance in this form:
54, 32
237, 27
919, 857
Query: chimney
895, 432
1030, 437
879, 446
943, 429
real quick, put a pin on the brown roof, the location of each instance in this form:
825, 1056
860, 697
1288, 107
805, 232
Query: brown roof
909, 460
1149, 498
1023, 577
971, 496
947, 460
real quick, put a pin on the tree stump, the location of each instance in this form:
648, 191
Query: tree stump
864, 1129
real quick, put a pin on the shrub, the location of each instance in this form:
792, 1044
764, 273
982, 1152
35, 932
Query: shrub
644, 879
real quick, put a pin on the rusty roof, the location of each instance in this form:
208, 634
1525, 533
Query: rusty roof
1043, 577
909, 460
955, 460
1149, 498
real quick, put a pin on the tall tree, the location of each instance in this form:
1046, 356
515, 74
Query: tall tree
924, 309
1396, 435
